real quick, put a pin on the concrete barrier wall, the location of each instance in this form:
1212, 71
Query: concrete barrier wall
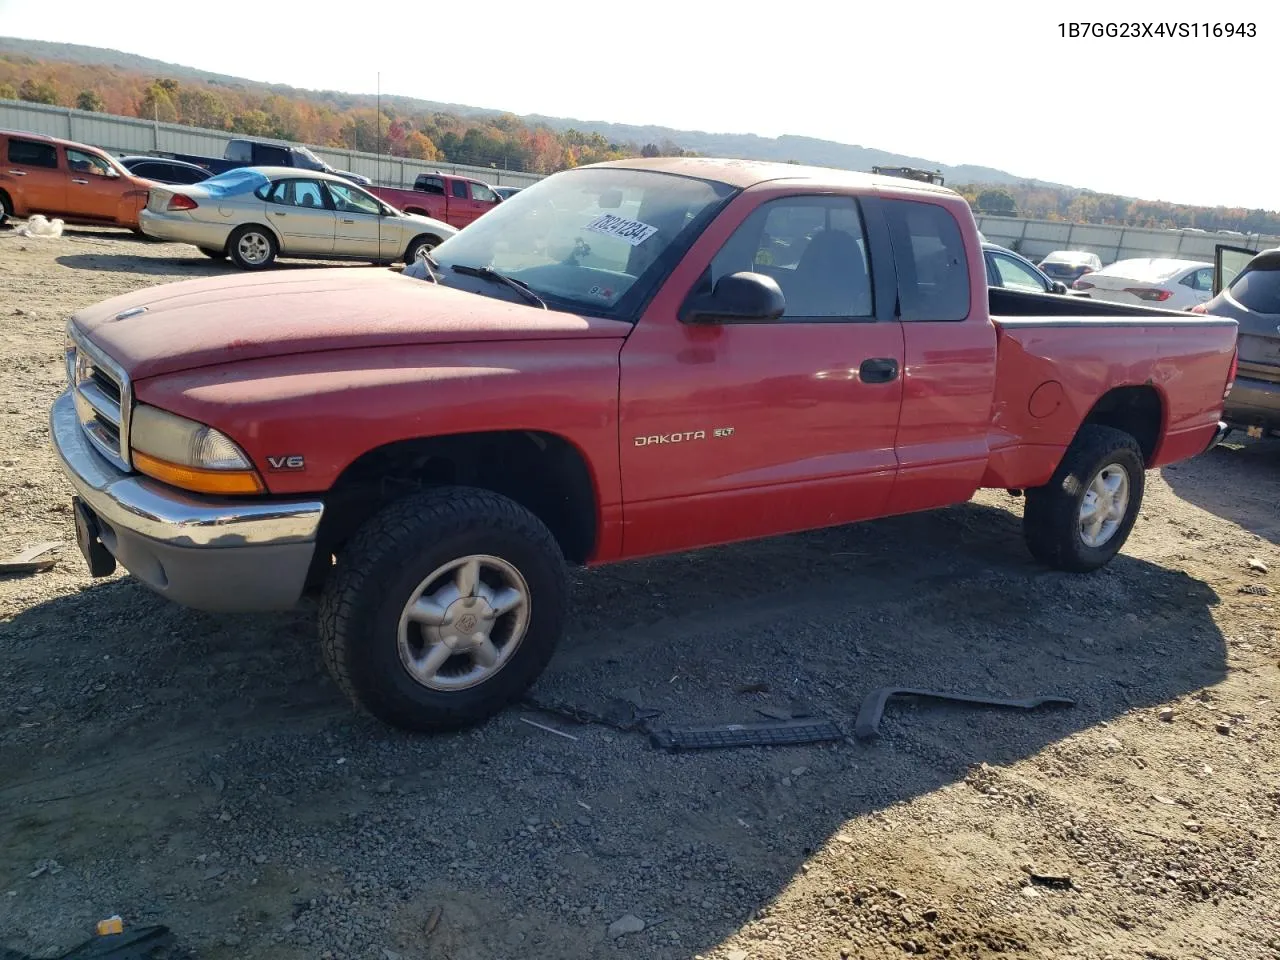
1036, 238
127, 135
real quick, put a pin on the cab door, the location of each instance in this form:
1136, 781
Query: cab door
733, 430
94, 186
1228, 262
38, 183
297, 207
359, 222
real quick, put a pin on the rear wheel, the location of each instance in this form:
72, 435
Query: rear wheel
252, 247
6, 207
1081, 518
420, 246
443, 609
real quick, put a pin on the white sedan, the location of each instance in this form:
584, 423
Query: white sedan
254, 214
1152, 282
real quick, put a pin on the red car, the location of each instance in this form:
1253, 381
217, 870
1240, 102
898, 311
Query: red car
639, 357
457, 201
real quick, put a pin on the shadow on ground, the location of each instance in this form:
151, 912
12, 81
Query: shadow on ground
164, 737
1251, 495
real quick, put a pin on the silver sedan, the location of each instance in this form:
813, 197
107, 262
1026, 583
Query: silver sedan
254, 214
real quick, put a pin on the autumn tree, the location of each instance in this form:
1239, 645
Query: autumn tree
38, 91
157, 102
419, 146
199, 107
8, 91
91, 101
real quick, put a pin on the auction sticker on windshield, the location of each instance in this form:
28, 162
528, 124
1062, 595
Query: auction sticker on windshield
611, 225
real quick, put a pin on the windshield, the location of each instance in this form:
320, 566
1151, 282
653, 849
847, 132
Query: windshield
595, 240
239, 180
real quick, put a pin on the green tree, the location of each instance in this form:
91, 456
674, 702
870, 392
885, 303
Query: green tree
41, 91
200, 108
89, 100
157, 104
998, 201
8, 91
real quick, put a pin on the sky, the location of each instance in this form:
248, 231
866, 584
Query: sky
994, 84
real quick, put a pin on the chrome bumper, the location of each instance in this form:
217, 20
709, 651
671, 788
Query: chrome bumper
211, 554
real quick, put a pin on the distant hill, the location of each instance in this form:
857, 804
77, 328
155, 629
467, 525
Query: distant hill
806, 150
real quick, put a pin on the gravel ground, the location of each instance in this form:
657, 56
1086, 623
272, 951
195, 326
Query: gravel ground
201, 771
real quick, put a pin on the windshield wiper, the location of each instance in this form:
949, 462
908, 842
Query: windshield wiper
493, 276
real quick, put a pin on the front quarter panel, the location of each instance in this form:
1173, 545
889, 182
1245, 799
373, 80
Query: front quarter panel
330, 408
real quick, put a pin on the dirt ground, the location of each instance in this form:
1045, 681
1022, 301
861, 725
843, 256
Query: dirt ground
202, 772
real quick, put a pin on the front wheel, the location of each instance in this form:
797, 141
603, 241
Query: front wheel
443, 609
420, 246
252, 247
1081, 518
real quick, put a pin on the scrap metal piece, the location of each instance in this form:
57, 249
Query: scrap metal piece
715, 736
868, 724
32, 559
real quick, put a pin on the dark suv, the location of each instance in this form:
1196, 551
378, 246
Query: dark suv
1252, 298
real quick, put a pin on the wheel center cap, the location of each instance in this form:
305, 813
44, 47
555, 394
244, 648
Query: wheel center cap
467, 623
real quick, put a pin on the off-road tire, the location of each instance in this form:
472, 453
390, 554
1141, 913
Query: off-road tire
1051, 518
381, 566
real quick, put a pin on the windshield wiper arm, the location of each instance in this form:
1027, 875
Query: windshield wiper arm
493, 276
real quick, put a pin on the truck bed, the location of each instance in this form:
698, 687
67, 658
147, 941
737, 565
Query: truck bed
1170, 362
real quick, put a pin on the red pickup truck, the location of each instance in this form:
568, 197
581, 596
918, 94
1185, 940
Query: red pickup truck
456, 200
640, 357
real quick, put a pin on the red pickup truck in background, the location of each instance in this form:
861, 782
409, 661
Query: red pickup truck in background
641, 357
456, 200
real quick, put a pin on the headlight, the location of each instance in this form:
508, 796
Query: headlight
187, 454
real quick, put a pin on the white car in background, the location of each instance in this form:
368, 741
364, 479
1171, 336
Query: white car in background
1154, 282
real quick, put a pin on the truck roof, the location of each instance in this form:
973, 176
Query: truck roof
748, 173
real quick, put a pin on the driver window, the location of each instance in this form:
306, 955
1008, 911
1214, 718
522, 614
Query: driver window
90, 163
813, 246
349, 200
1015, 276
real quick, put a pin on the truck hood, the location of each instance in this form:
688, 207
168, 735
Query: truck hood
201, 323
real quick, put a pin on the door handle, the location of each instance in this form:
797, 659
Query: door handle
276, 213
18, 173
78, 180
878, 370
348, 221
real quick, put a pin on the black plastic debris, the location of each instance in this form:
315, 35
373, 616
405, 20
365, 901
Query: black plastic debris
139, 944
716, 736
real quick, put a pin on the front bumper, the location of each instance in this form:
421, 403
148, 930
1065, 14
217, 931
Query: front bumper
205, 553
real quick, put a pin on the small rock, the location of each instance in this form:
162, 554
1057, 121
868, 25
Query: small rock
786, 781
1030, 892
384, 787
1166, 714
1223, 728
1257, 566
231, 940
1193, 825
215, 873
260, 859
218, 782
389, 954
433, 920
737, 955
799, 771
930, 915
625, 925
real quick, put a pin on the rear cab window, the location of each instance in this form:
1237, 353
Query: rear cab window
931, 260
32, 153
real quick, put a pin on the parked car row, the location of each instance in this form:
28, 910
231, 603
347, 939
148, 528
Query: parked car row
85, 185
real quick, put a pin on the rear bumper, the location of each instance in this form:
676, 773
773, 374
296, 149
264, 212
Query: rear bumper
212, 236
201, 552
1218, 435
1253, 403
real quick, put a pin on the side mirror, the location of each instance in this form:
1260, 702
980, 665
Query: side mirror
1059, 287
739, 297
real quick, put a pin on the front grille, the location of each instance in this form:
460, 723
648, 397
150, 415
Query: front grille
103, 399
